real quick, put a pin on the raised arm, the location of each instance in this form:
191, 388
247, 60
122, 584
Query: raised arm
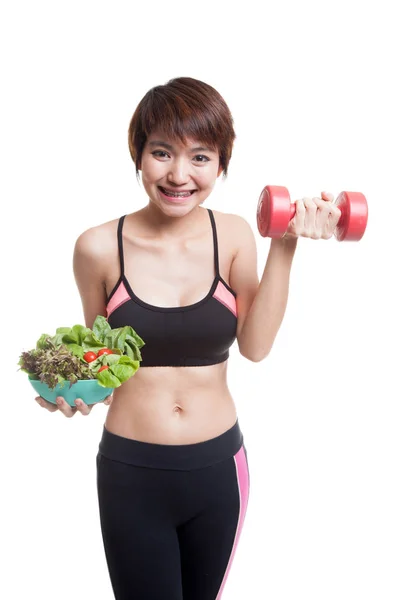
261, 306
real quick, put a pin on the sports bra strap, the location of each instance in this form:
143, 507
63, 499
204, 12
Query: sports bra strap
214, 229
215, 238
120, 245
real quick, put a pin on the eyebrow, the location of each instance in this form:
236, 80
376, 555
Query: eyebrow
169, 147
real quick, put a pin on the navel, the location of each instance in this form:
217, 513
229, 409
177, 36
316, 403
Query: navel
177, 409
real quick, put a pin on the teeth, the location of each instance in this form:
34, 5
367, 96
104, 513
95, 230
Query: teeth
176, 194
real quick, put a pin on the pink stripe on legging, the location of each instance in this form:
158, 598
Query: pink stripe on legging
242, 474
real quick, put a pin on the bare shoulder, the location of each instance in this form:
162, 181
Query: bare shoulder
236, 228
92, 252
96, 242
231, 220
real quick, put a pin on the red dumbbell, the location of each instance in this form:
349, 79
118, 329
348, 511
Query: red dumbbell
275, 211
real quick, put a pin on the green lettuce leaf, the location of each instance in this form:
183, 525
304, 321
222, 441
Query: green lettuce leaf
101, 327
92, 342
124, 372
107, 379
43, 341
76, 350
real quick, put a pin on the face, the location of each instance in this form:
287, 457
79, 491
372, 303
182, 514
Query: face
169, 167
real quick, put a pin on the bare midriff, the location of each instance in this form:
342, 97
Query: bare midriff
173, 405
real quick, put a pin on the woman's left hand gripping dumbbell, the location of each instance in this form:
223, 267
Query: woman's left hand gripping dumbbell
315, 218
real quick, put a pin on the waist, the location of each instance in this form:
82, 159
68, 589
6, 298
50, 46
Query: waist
172, 456
176, 379
172, 405
166, 419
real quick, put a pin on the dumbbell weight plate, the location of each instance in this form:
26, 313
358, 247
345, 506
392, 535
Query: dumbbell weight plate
353, 221
273, 211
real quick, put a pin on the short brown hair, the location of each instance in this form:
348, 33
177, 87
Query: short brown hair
183, 107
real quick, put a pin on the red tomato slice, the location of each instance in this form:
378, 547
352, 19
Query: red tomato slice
89, 356
102, 368
104, 351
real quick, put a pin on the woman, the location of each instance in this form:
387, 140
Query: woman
172, 473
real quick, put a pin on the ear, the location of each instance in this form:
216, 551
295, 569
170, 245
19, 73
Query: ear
220, 169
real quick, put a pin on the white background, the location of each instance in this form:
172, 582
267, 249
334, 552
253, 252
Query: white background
314, 94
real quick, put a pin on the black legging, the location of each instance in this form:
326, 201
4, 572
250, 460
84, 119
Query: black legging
171, 515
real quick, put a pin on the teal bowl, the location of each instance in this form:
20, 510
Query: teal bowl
88, 389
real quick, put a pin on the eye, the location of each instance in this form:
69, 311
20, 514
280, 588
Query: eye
158, 152
202, 156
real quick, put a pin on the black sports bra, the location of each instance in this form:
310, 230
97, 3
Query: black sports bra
184, 336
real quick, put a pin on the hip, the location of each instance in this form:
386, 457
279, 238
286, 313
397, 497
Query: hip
178, 457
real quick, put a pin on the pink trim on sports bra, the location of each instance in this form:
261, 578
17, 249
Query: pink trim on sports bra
223, 295
119, 297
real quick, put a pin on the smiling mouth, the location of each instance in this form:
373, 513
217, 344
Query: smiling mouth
172, 194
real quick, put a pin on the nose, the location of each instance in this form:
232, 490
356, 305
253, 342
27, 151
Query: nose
179, 171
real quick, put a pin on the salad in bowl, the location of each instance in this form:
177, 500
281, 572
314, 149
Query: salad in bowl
80, 362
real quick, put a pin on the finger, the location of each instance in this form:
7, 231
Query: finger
310, 217
44, 404
327, 196
300, 209
333, 210
47, 405
327, 207
334, 216
296, 225
83, 408
40, 400
330, 224
65, 408
108, 400
322, 218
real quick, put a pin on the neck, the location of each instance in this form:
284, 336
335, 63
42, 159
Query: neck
168, 226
